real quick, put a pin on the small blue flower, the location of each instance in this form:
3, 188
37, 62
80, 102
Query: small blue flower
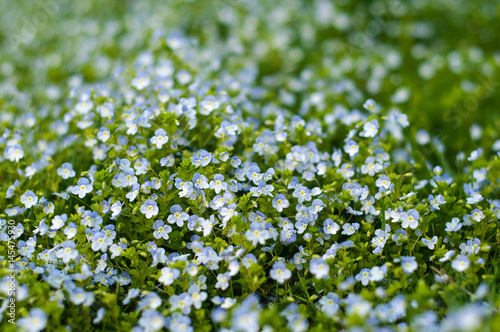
82, 188
149, 208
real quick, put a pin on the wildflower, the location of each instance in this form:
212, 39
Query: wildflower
197, 295
200, 181
257, 234
66, 171
161, 230
177, 215
378, 273
182, 302
131, 196
149, 208
29, 199
223, 281
208, 105
470, 247
329, 304
82, 188
180, 323
103, 134
349, 229
280, 202
351, 147
67, 251
141, 81
151, 320
436, 201
14, 153
363, 276
410, 219
227, 213
99, 316
280, 273
218, 183
370, 129
35, 322
383, 182
330, 227
454, 225
409, 264
168, 275
116, 209
476, 215
160, 138
447, 256
430, 243
369, 105
101, 242
475, 199
319, 268
461, 263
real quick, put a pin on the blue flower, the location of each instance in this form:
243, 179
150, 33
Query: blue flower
14, 153
280, 202
149, 208
29, 199
103, 134
151, 320
177, 215
35, 322
161, 230
160, 138
66, 171
351, 148
82, 188
280, 273
319, 268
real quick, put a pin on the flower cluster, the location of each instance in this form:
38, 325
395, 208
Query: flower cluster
187, 190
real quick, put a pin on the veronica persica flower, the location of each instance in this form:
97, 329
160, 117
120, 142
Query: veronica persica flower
67, 252
149, 208
141, 81
410, 219
66, 171
280, 202
103, 134
409, 264
14, 152
100, 242
29, 199
161, 230
461, 263
280, 272
151, 320
370, 129
351, 147
319, 268
454, 225
383, 182
35, 322
177, 215
330, 227
431, 244
363, 276
168, 275
223, 281
257, 234
82, 188
160, 138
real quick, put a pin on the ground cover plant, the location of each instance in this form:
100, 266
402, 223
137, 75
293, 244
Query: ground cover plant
249, 166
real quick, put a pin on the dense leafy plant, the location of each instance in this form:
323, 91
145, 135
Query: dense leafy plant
262, 173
